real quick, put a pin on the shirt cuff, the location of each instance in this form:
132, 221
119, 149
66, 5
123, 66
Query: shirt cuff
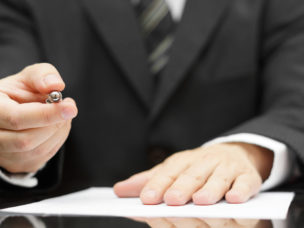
282, 161
21, 180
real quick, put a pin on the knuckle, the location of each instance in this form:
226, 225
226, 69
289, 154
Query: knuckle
234, 167
209, 156
39, 67
23, 143
14, 121
28, 68
47, 67
46, 116
163, 178
223, 182
170, 178
51, 153
31, 68
173, 159
196, 178
38, 152
58, 126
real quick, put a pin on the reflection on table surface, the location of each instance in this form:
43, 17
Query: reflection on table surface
208, 223
295, 219
30, 221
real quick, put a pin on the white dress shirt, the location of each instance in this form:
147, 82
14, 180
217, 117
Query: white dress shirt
282, 158
176, 8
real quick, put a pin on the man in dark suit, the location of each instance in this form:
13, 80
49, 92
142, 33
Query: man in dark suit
147, 86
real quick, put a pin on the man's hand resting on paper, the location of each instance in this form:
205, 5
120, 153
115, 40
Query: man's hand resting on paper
205, 175
31, 131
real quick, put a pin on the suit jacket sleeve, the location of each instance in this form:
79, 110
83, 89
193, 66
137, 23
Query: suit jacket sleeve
20, 47
281, 77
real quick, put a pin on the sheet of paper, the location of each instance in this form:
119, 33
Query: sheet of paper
103, 202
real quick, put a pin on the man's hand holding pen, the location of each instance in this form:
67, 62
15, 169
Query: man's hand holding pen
31, 131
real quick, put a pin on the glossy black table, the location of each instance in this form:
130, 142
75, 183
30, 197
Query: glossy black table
295, 219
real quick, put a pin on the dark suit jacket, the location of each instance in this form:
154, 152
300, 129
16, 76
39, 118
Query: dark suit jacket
236, 66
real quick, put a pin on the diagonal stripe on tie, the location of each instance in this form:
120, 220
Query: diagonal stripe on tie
157, 29
149, 9
162, 48
160, 56
159, 64
154, 16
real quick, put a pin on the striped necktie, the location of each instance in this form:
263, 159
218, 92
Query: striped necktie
157, 27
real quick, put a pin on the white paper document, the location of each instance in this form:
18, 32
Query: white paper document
103, 202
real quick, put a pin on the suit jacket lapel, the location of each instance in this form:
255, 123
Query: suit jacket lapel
197, 25
117, 24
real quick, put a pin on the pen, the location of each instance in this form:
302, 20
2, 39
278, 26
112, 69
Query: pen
54, 97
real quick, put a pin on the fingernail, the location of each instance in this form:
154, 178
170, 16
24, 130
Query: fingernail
50, 79
204, 197
68, 114
150, 194
175, 193
175, 197
235, 197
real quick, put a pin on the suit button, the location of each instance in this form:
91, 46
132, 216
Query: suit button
157, 155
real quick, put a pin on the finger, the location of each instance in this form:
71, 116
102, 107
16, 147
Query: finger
189, 182
216, 186
44, 158
42, 78
35, 115
15, 90
26, 140
188, 222
33, 160
244, 187
133, 185
153, 192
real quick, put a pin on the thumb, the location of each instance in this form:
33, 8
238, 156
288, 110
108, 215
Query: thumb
42, 78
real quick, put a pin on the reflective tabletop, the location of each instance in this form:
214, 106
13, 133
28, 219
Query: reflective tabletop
295, 219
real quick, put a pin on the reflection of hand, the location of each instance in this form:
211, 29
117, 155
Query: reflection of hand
203, 223
206, 175
31, 132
